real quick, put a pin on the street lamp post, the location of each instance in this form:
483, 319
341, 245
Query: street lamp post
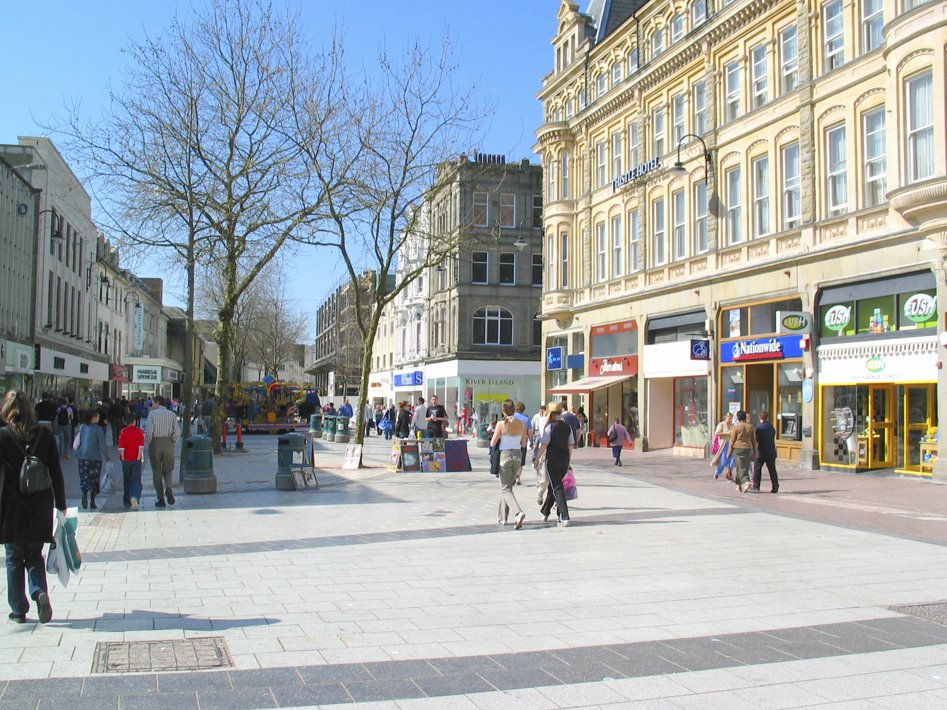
679, 168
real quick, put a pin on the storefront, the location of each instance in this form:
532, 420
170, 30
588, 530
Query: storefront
676, 373
16, 365
68, 374
118, 376
877, 373
152, 377
761, 370
483, 385
610, 390
407, 386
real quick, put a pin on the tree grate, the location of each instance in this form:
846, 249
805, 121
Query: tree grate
196, 654
935, 611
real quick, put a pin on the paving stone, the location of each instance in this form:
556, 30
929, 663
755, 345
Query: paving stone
242, 699
194, 681
88, 703
388, 689
520, 678
324, 694
164, 701
453, 684
527, 660
464, 664
264, 677
334, 673
400, 669
120, 685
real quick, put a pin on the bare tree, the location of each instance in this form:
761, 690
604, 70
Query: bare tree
274, 327
201, 153
402, 126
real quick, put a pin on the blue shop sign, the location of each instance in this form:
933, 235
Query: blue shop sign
575, 362
780, 347
700, 349
409, 379
554, 358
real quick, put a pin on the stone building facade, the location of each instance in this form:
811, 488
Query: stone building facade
793, 262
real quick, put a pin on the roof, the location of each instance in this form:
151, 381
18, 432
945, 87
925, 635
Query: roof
609, 15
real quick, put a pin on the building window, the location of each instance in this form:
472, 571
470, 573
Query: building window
537, 274
920, 125
701, 242
875, 164
551, 171
732, 84
480, 209
836, 193
657, 42
601, 85
564, 175
733, 187
616, 154
788, 61
873, 21
634, 146
760, 173
493, 326
660, 254
617, 251
538, 210
600, 168
911, 4
616, 73
759, 77
677, 118
792, 200
679, 234
479, 267
601, 248
583, 100
551, 261
634, 242
507, 269
657, 124
677, 27
537, 331
700, 108
698, 12
564, 260
569, 110
632, 61
833, 31
507, 209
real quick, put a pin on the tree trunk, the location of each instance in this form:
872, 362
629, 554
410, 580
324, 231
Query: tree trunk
187, 391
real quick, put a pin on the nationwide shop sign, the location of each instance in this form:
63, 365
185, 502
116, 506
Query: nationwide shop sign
781, 347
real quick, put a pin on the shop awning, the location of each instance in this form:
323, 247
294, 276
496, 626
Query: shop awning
589, 384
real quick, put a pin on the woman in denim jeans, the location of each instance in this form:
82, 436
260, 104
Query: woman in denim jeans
26, 520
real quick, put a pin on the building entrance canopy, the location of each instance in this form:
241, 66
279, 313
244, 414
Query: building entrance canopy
588, 384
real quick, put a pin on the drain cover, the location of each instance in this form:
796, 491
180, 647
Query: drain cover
195, 654
936, 611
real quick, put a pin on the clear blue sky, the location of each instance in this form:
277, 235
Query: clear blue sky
58, 52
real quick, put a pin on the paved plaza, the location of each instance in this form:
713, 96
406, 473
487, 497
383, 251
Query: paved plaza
394, 590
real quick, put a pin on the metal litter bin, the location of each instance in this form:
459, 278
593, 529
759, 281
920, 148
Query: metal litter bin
199, 470
315, 426
342, 430
328, 427
288, 446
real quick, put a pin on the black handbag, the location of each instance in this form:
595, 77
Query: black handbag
495, 461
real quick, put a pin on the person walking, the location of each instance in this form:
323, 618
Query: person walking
419, 419
161, 435
403, 422
509, 437
92, 453
131, 452
722, 455
62, 427
617, 435
118, 414
556, 444
26, 520
369, 413
521, 415
743, 445
539, 464
765, 453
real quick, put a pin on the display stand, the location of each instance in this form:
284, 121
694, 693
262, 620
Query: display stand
430, 456
929, 451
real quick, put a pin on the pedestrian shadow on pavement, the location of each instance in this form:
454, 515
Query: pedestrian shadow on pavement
144, 620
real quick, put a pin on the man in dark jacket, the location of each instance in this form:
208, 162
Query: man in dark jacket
765, 453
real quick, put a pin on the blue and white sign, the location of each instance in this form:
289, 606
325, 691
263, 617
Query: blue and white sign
807, 390
575, 362
554, 358
781, 347
409, 379
700, 349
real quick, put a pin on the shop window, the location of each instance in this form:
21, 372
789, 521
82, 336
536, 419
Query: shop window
913, 310
917, 310
690, 412
755, 320
731, 388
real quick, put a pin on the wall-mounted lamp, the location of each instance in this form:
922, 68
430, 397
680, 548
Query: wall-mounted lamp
56, 234
520, 243
679, 168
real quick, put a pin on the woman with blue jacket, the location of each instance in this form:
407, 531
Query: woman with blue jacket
92, 452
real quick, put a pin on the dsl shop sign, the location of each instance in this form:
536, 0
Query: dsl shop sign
146, 374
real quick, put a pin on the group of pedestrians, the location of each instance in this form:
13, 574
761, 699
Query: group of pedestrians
738, 446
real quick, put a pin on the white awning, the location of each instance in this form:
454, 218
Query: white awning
589, 384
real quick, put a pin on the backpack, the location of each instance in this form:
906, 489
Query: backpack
34, 476
64, 415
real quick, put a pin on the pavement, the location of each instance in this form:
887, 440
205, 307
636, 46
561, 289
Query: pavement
399, 590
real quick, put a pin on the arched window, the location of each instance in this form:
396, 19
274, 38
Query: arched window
493, 326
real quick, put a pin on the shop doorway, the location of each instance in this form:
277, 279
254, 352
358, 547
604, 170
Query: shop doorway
877, 439
759, 386
919, 416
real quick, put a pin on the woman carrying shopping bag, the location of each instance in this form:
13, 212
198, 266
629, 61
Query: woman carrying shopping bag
509, 438
26, 520
92, 453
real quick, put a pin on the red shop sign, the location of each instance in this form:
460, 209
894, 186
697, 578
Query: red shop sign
605, 366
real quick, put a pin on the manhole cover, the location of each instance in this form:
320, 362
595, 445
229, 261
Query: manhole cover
195, 654
936, 611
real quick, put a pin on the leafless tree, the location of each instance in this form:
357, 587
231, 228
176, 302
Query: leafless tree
401, 126
201, 153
